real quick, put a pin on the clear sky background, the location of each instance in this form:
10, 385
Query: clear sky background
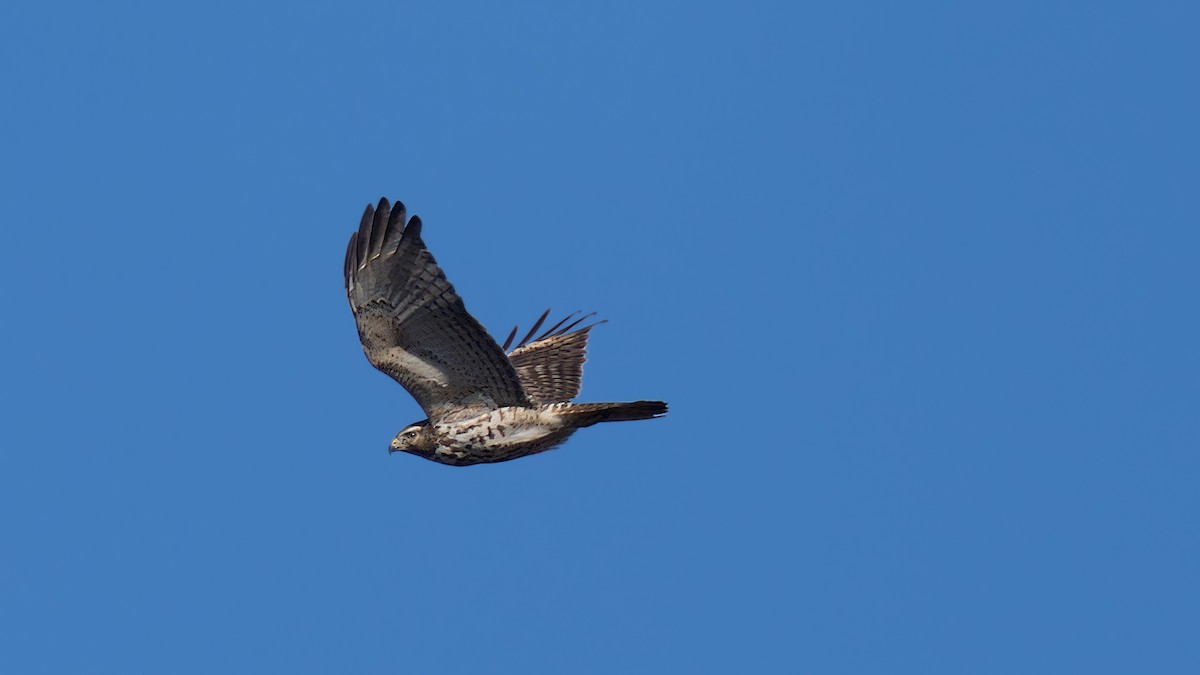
919, 281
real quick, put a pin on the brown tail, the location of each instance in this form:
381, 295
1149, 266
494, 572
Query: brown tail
593, 413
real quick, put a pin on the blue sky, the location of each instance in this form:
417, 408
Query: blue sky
918, 280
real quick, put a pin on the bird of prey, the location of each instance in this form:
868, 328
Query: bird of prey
483, 405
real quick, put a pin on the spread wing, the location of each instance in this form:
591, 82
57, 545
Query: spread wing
414, 327
551, 366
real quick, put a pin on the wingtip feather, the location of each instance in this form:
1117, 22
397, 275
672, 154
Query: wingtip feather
413, 229
508, 341
532, 331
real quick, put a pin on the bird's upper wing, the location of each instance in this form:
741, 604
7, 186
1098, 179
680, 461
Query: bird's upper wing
414, 327
551, 367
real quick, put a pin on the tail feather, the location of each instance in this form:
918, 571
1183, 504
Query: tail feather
594, 413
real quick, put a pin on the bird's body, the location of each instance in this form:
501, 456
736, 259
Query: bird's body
494, 436
483, 405
507, 433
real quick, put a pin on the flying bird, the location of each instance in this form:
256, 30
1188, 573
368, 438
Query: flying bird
483, 403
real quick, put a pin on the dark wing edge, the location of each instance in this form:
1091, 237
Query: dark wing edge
551, 366
413, 325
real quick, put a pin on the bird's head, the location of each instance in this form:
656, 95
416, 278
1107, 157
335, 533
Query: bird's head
415, 438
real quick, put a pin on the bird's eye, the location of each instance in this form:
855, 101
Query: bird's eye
410, 434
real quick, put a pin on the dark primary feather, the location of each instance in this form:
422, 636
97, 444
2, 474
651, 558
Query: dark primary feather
551, 367
537, 324
509, 339
414, 326
553, 329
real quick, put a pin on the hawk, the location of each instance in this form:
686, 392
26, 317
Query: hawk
483, 405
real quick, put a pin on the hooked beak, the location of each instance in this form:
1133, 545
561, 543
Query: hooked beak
395, 446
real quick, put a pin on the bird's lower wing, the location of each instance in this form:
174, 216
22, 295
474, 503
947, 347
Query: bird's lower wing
551, 366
